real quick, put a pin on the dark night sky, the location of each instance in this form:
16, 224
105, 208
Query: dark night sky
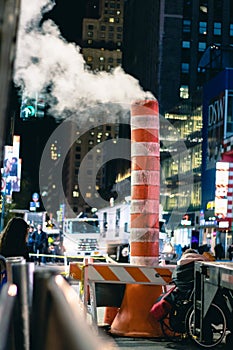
68, 15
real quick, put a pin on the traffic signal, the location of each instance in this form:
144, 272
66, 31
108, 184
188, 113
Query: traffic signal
28, 108
40, 107
32, 107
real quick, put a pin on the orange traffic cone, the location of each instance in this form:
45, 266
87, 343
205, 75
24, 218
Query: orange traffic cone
133, 318
109, 314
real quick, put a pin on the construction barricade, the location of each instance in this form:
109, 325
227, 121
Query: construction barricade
105, 284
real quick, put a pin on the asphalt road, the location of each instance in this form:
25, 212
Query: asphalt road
125, 343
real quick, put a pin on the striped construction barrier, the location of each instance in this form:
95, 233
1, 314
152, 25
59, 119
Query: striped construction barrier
122, 273
108, 276
145, 183
76, 271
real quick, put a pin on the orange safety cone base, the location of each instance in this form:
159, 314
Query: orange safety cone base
133, 318
109, 314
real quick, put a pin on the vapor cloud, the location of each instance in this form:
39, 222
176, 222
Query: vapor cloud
44, 59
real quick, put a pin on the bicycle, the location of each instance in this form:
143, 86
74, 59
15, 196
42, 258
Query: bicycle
185, 321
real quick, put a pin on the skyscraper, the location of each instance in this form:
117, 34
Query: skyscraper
165, 54
101, 46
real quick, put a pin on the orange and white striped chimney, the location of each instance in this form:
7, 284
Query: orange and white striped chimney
145, 183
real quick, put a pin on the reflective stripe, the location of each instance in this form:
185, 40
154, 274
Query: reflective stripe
146, 149
128, 274
145, 177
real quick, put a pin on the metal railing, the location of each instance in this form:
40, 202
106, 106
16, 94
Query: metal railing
43, 313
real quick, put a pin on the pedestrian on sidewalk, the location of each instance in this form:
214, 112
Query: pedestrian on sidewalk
41, 244
219, 251
230, 251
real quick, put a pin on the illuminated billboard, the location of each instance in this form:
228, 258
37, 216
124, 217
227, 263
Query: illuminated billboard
221, 189
12, 168
217, 125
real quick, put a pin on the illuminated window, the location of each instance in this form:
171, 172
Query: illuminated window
111, 20
217, 28
201, 46
90, 34
186, 44
101, 59
89, 59
184, 91
203, 28
231, 29
185, 67
186, 26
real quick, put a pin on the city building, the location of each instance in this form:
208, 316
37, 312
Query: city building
165, 54
9, 18
101, 46
8, 30
190, 43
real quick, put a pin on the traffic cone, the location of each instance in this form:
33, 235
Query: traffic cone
133, 318
109, 314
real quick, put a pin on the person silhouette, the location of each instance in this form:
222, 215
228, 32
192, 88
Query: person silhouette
13, 239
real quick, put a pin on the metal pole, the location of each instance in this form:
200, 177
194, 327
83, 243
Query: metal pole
9, 263
23, 278
3, 210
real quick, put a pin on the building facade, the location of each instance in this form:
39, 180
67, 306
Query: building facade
101, 46
172, 44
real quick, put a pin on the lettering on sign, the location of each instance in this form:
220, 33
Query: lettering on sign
216, 111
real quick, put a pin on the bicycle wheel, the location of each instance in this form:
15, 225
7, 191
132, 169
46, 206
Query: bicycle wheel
214, 327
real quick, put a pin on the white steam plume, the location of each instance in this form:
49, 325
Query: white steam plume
45, 59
